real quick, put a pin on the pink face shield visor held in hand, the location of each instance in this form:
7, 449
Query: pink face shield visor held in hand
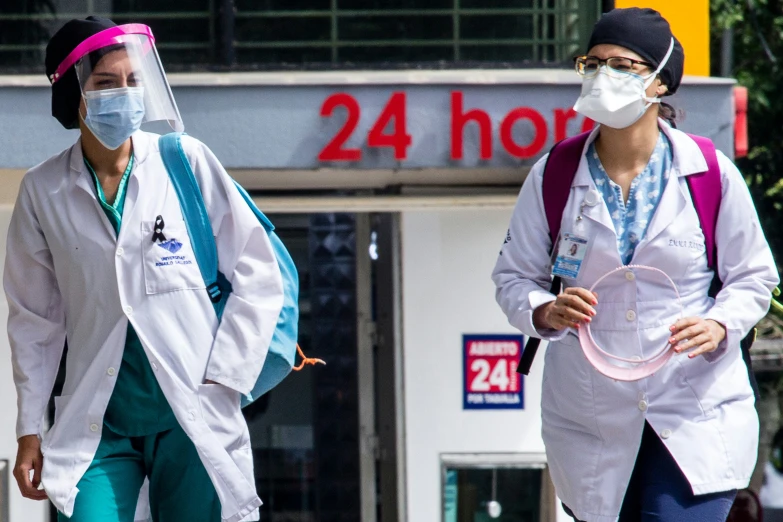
124, 57
638, 368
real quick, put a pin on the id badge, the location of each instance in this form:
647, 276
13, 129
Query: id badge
571, 252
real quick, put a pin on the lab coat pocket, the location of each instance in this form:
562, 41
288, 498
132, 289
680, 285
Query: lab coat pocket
568, 399
169, 262
220, 407
678, 251
59, 405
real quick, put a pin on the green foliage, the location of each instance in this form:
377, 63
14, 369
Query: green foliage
750, 20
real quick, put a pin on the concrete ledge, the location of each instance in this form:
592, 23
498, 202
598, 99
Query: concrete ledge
402, 77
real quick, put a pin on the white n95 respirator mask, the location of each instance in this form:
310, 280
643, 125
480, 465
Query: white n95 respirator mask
617, 99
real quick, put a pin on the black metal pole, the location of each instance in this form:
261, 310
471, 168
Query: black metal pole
727, 53
227, 19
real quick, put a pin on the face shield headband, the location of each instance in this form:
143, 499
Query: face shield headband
110, 36
633, 369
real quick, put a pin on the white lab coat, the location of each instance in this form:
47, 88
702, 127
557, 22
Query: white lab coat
66, 274
702, 408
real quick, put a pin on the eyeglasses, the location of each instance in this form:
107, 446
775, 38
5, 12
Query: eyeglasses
588, 66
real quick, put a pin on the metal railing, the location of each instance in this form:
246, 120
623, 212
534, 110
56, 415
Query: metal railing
217, 32
24, 32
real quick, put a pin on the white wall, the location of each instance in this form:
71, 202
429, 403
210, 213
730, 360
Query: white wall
447, 259
22, 510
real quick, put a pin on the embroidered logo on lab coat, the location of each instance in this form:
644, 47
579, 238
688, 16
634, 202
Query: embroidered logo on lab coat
172, 245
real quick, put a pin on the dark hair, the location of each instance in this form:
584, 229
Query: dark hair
668, 113
97, 55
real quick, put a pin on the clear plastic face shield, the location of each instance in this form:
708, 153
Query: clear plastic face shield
123, 59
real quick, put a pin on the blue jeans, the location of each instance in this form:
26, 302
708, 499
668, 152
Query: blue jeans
659, 492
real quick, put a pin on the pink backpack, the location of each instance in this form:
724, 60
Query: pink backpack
705, 188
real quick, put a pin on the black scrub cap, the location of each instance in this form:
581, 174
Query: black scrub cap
66, 92
648, 34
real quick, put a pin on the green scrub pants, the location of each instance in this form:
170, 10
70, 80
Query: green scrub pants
180, 489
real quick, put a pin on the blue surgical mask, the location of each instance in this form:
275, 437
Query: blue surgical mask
114, 114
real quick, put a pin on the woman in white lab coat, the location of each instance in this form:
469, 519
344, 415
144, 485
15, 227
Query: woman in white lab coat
677, 445
98, 254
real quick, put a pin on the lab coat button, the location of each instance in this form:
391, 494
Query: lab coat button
154, 366
93, 427
192, 415
665, 434
128, 310
630, 275
643, 405
630, 315
120, 251
111, 372
636, 358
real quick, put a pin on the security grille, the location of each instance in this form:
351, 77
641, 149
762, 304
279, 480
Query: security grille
247, 33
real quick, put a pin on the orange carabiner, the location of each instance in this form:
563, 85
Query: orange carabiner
306, 360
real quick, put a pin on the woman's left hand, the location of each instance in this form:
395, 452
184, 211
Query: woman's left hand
701, 336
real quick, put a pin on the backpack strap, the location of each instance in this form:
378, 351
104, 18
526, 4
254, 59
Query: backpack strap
559, 172
194, 211
706, 193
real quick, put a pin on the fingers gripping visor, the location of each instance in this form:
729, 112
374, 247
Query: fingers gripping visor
124, 56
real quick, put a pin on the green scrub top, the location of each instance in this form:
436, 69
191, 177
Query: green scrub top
137, 406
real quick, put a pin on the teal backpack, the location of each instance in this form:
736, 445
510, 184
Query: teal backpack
283, 348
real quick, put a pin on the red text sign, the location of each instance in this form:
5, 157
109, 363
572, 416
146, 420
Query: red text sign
390, 128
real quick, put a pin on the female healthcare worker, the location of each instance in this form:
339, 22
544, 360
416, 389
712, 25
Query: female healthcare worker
676, 445
98, 254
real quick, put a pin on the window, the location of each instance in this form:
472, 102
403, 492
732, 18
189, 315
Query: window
325, 33
511, 488
183, 28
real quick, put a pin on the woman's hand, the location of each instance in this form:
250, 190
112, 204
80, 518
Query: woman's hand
569, 310
699, 335
29, 458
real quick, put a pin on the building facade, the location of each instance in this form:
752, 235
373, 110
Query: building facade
387, 140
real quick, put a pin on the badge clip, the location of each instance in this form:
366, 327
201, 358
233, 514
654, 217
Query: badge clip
591, 199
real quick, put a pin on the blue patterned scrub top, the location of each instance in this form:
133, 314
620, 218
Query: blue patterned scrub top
631, 218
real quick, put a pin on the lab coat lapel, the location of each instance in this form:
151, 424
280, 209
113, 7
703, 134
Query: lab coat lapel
672, 204
82, 179
598, 213
141, 145
687, 159
583, 183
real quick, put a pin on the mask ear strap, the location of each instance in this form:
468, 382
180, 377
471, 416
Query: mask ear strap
665, 58
655, 74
